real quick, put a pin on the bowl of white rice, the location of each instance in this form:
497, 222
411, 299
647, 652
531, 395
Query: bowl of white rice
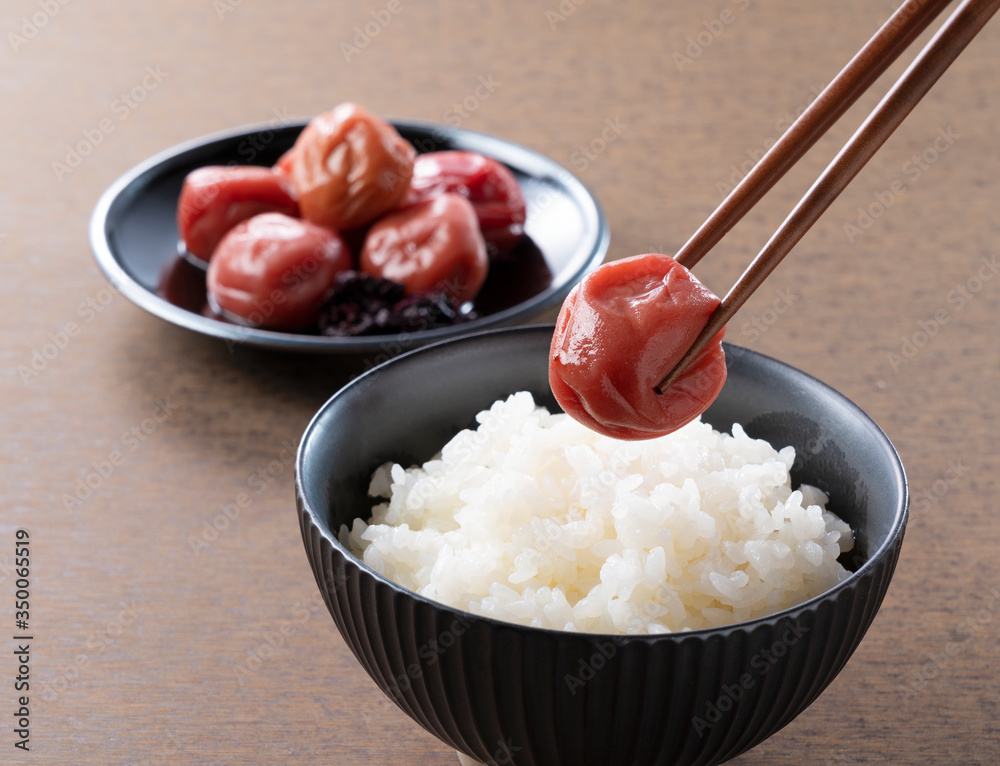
533, 593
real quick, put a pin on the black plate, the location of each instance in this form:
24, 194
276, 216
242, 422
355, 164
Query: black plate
133, 233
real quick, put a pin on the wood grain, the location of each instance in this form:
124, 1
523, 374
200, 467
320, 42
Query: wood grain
153, 648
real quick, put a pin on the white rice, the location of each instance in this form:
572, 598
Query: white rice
535, 519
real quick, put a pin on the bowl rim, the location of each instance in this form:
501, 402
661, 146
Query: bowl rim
130, 184
892, 540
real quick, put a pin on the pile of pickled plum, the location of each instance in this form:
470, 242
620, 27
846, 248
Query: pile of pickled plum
351, 232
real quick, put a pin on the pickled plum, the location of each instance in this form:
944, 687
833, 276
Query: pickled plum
283, 166
489, 185
215, 198
429, 245
619, 333
349, 167
274, 271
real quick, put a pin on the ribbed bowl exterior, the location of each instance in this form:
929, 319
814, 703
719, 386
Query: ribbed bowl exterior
504, 694
507, 694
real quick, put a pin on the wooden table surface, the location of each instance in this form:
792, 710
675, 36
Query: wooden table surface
158, 639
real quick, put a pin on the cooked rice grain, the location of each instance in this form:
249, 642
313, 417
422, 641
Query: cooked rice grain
533, 518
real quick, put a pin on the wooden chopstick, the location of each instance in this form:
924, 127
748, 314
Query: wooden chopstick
868, 64
950, 40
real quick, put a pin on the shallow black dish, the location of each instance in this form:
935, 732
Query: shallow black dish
700, 697
133, 233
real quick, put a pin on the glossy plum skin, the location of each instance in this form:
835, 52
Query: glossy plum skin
619, 333
348, 167
489, 185
283, 166
215, 198
273, 271
430, 245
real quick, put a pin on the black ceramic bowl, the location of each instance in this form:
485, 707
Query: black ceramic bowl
503, 693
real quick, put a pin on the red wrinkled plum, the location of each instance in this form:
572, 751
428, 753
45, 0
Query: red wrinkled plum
215, 198
283, 166
489, 185
273, 271
349, 167
430, 245
620, 331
